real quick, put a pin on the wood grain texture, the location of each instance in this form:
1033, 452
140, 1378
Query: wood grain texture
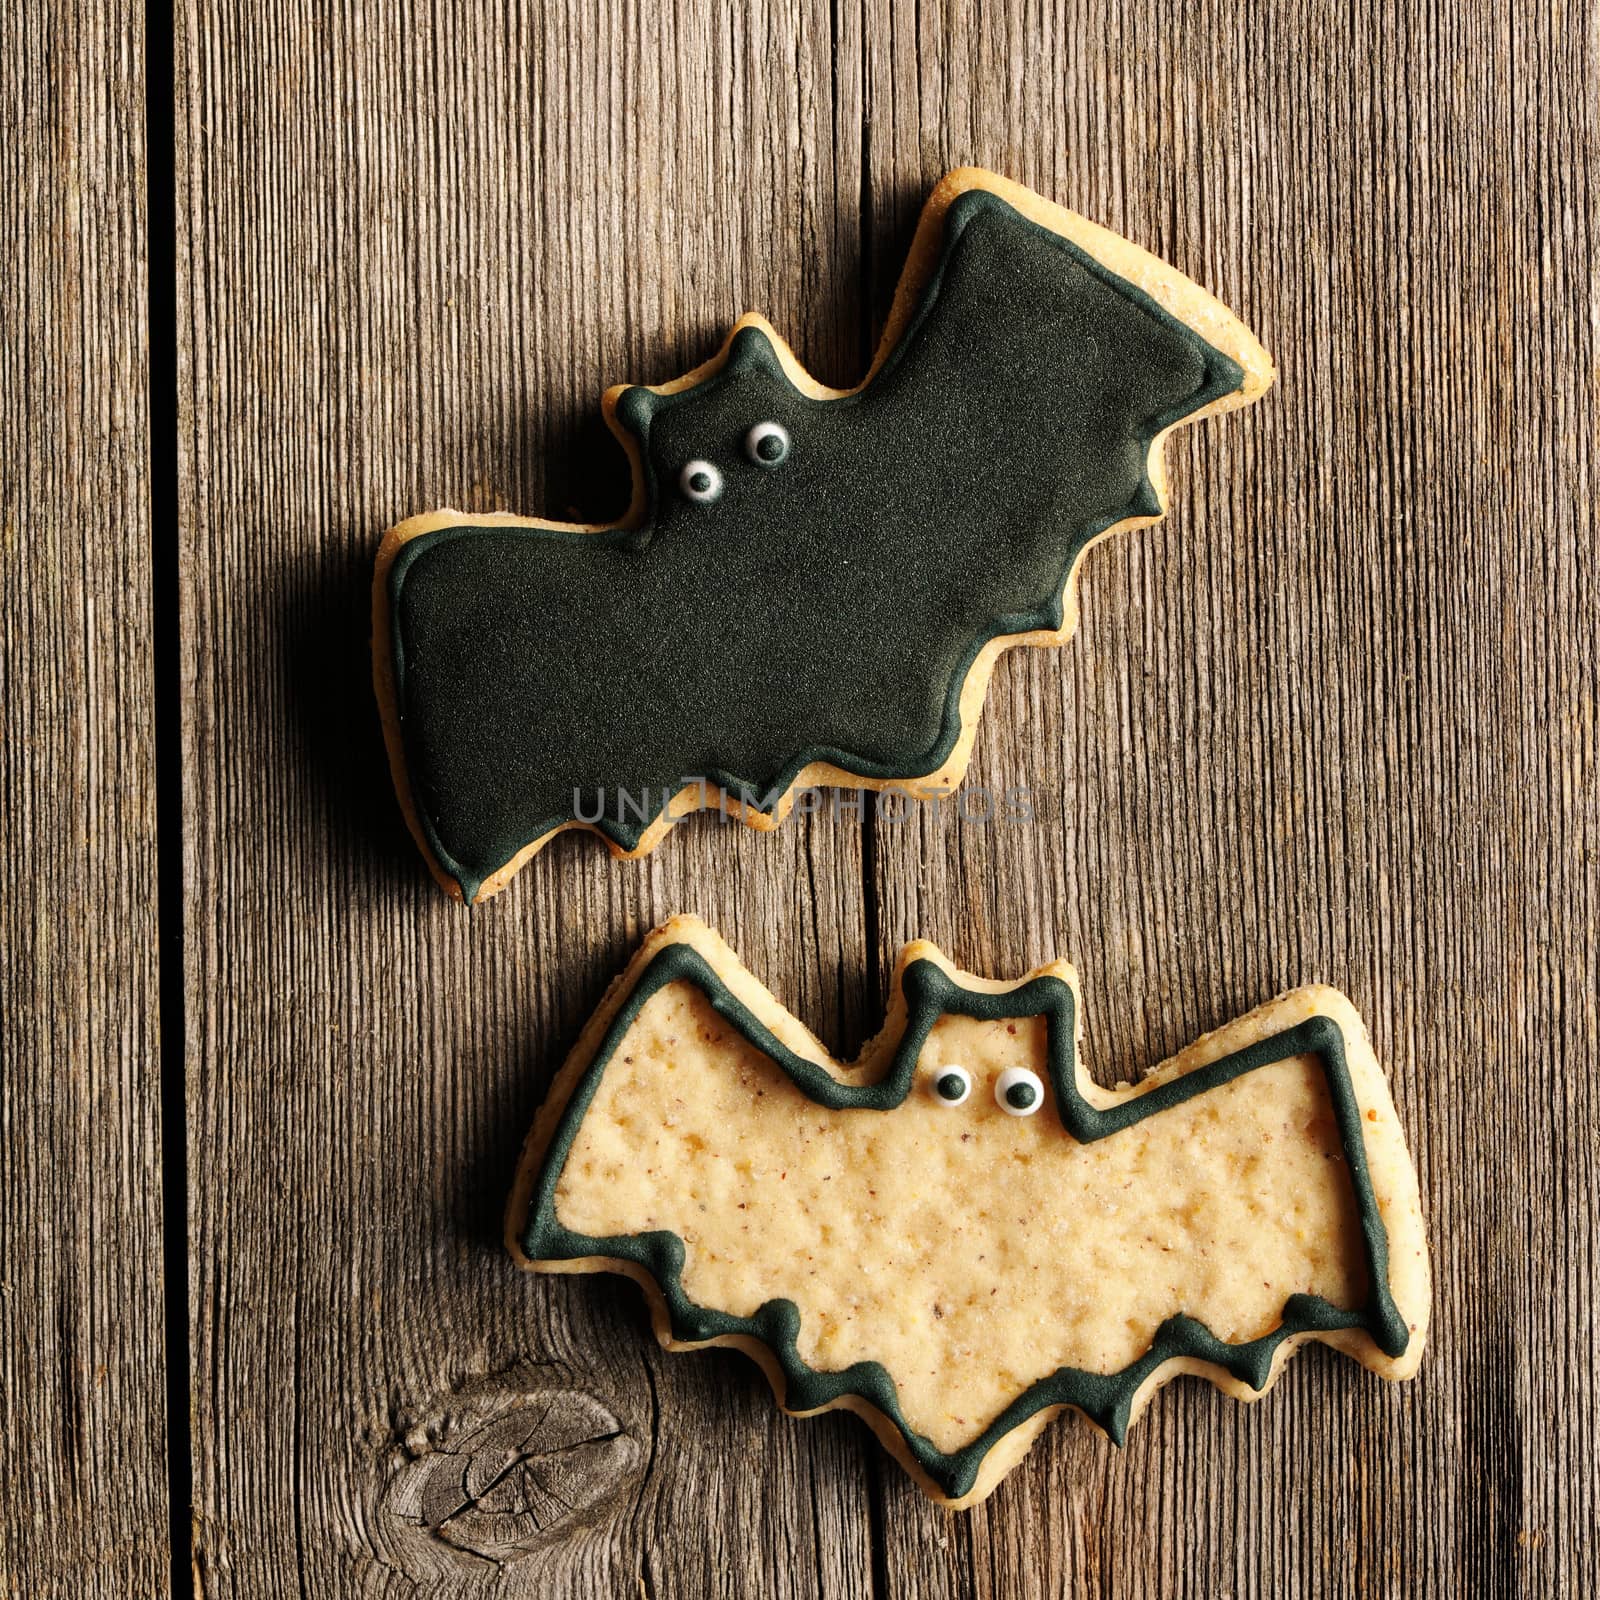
82, 1391
1334, 719
415, 246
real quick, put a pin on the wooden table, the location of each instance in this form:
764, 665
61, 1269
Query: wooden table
1334, 719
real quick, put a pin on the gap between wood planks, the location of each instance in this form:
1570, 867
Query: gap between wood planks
161, 334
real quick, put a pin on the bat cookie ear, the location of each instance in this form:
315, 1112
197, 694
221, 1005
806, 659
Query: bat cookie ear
753, 348
632, 407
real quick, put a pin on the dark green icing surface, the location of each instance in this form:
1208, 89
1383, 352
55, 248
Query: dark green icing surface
930, 993
828, 608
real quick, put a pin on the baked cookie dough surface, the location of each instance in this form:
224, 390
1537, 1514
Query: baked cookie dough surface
903, 1237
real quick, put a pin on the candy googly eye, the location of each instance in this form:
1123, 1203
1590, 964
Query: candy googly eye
1018, 1092
700, 481
952, 1085
767, 444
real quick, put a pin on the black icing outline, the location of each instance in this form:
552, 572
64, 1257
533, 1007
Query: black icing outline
750, 349
930, 992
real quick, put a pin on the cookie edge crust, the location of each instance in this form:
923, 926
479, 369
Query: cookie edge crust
1390, 1170
1175, 293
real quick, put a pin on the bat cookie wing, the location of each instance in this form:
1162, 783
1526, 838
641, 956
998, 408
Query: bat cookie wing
960, 1235
811, 585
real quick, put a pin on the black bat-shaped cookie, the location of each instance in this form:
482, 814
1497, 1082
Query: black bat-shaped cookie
961, 1234
811, 586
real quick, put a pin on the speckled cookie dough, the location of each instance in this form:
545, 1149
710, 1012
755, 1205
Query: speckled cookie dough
972, 1215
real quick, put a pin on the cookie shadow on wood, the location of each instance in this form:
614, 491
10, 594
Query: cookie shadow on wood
325, 630
525, 1060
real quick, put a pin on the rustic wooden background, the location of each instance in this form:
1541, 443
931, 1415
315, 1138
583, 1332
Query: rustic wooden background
1334, 719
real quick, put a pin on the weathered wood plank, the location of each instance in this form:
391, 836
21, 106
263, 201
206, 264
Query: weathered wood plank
414, 248
1334, 719
82, 1393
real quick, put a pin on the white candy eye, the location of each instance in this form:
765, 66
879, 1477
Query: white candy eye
952, 1085
767, 444
700, 481
1018, 1092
